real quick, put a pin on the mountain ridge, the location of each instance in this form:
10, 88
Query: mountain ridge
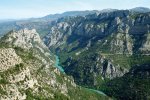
42, 24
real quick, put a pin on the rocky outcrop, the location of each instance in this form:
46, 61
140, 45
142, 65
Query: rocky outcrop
13, 93
8, 59
122, 43
24, 38
109, 70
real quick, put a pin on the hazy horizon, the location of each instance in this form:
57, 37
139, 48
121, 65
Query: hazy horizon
21, 9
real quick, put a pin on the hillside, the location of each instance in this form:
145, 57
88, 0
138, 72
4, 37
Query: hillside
27, 71
134, 85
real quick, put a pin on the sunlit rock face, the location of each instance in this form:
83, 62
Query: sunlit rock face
24, 38
8, 59
120, 29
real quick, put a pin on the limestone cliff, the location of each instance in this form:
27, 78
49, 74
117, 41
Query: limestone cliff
8, 58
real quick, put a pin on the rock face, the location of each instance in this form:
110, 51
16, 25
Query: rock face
108, 70
8, 59
146, 45
24, 38
123, 27
120, 36
27, 71
93, 69
126, 87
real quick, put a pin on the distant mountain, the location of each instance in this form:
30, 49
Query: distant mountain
77, 13
140, 9
69, 13
6, 20
43, 24
107, 10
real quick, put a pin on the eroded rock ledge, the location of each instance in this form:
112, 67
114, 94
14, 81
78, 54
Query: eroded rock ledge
8, 58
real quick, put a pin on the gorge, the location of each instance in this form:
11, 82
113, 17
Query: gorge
77, 55
62, 70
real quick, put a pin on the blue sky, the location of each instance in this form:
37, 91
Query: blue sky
16, 9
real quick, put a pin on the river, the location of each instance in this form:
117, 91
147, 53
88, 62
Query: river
57, 64
62, 70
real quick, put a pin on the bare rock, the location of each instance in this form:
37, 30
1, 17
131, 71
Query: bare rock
8, 59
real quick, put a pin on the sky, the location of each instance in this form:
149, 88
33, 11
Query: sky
18, 9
